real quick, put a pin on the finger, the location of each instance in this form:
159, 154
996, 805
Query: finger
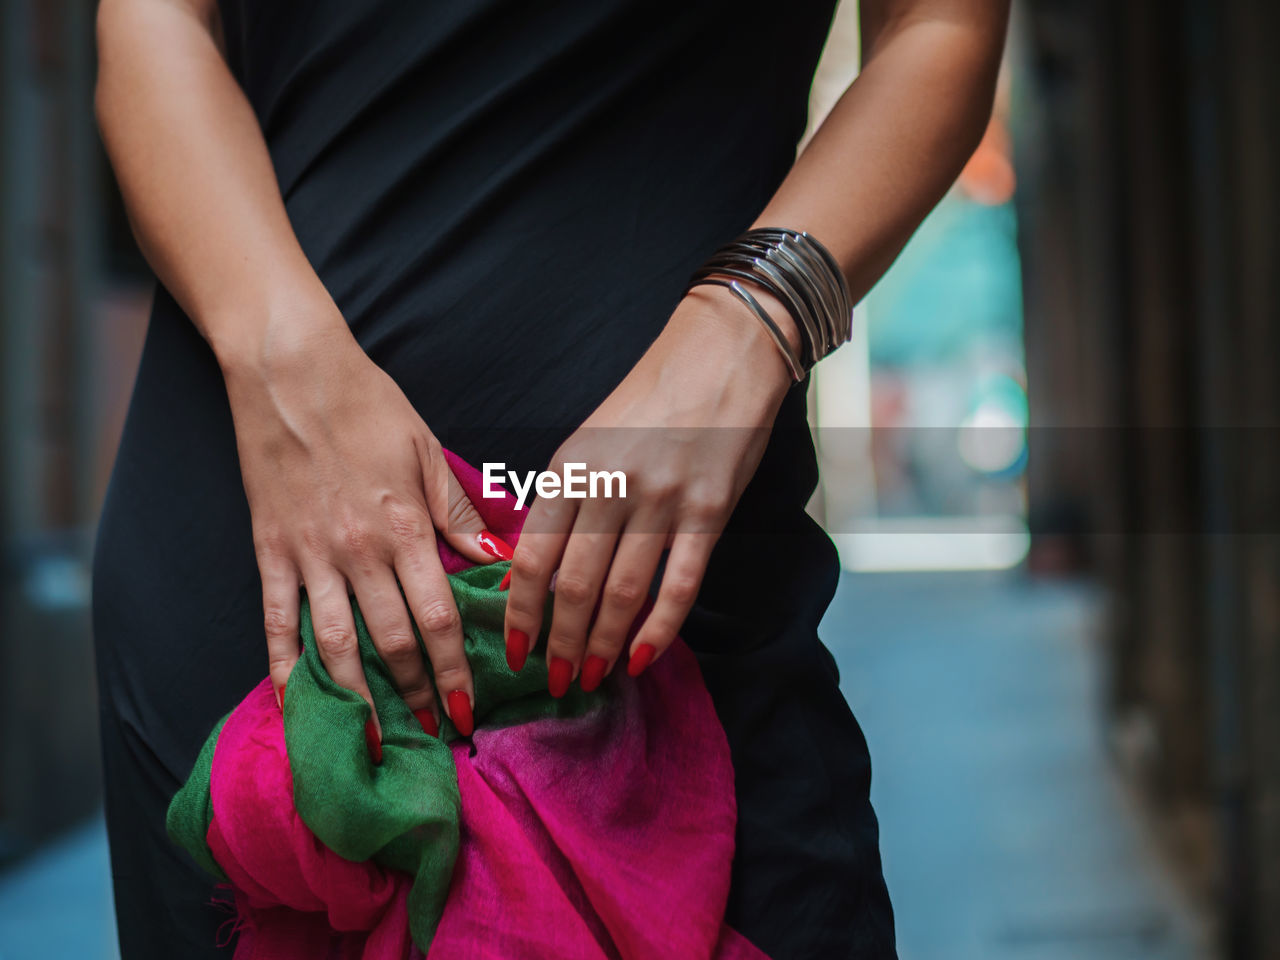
431, 603
453, 513
680, 583
390, 628
582, 573
625, 591
542, 543
280, 605
337, 643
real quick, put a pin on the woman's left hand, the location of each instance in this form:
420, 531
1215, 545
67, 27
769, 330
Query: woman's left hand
687, 427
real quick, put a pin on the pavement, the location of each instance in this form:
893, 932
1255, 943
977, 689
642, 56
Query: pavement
1004, 834
57, 904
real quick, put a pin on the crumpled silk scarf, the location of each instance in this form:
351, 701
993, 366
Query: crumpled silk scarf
596, 826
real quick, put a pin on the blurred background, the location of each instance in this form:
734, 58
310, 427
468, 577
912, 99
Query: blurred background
1049, 463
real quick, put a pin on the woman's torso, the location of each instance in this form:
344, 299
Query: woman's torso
505, 199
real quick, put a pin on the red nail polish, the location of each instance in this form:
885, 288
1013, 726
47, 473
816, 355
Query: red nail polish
517, 650
559, 674
506, 581
642, 657
593, 672
494, 546
428, 721
280, 696
460, 712
371, 741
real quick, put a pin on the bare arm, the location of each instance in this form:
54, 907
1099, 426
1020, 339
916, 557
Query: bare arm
883, 157
342, 476
197, 179
898, 137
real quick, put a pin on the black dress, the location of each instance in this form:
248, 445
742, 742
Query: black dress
505, 199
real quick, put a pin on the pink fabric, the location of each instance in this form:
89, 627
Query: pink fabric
295, 897
609, 835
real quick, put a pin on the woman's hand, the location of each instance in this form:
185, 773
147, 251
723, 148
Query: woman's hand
347, 488
687, 427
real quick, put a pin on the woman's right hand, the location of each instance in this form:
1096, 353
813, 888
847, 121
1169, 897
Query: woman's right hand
346, 484
347, 489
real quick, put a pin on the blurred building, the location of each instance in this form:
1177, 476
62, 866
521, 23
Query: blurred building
73, 296
50, 255
1147, 151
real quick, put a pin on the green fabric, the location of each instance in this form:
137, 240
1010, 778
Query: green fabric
404, 812
191, 810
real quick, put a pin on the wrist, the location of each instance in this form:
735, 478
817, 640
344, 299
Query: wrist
715, 337
725, 313
269, 342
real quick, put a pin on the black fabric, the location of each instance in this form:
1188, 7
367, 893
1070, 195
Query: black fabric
505, 199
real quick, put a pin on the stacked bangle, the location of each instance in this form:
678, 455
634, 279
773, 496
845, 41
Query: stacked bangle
802, 274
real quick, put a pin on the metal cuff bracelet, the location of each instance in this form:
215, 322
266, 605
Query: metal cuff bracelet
802, 274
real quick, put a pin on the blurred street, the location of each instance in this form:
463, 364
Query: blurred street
1004, 832
57, 904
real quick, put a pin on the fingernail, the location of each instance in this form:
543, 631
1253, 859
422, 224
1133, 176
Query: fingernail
460, 712
593, 672
280, 696
506, 581
371, 741
517, 650
428, 721
494, 546
642, 657
559, 673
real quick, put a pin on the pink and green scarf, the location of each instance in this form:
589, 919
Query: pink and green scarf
596, 826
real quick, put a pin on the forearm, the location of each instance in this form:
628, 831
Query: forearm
899, 136
197, 178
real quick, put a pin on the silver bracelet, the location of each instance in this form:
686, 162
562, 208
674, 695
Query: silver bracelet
802, 274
